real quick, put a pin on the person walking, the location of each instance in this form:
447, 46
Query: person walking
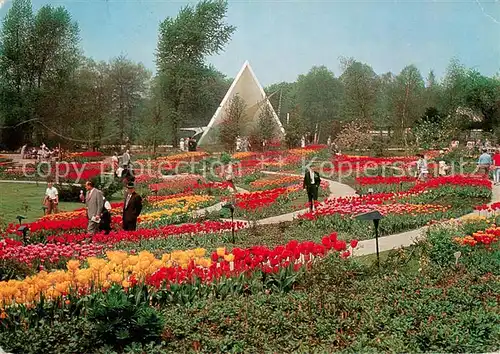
131, 208
311, 184
181, 144
496, 163
94, 201
114, 162
105, 222
484, 163
51, 200
422, 168
126, 160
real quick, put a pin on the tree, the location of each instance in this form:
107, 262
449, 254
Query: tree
184, 43
266, 127
283, 98
383, 118
482, 94
433, 130
232, 123
211, 90
91, 107
317, 94
40, 53
153, 125
16, 96
407, 99
128, 84
295, 128
433, 91
361, 87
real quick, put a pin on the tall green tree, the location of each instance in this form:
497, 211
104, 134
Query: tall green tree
318, 94
40, 53
16, 96
295, 128
184, 43
361, 87
128, 84
267, 126
233, 123
407, 100
283, 97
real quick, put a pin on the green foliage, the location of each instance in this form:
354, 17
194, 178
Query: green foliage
12, 269
121, 319
233, 123
318, 95
295, 128
433, 130
39, 53
360, 87
267, 128
65, 335
183, 45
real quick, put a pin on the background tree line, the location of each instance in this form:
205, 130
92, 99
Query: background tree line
51, 92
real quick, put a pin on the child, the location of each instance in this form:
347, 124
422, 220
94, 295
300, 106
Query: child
422, 170
443, 169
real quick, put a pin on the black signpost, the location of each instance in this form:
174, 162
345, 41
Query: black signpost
376, 217
231, 208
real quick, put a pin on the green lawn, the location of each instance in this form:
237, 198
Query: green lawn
25, 199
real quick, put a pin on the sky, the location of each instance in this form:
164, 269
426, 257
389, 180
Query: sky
283, 39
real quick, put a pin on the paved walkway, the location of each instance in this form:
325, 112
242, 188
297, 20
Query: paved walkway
336, 190
407, 238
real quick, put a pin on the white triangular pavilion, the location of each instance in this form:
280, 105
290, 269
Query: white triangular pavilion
249, 89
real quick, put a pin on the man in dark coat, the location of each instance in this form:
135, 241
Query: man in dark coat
311, 185
132, 208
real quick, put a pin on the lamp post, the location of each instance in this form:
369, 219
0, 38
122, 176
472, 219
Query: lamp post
231, 208
20, 218
24, 229
376, 217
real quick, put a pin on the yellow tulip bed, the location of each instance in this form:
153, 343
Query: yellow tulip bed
175, 206
119, 268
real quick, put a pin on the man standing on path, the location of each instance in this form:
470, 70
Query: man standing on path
131, 208
94, 202
311, 185
126, 159
484, 163
51, 199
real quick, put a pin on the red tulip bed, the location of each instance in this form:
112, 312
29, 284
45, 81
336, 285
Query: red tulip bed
64, 274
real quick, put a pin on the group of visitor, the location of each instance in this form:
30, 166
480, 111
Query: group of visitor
188, 144
423, 167
98, 208
487, 162
123, 170
43, 153
243, 144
